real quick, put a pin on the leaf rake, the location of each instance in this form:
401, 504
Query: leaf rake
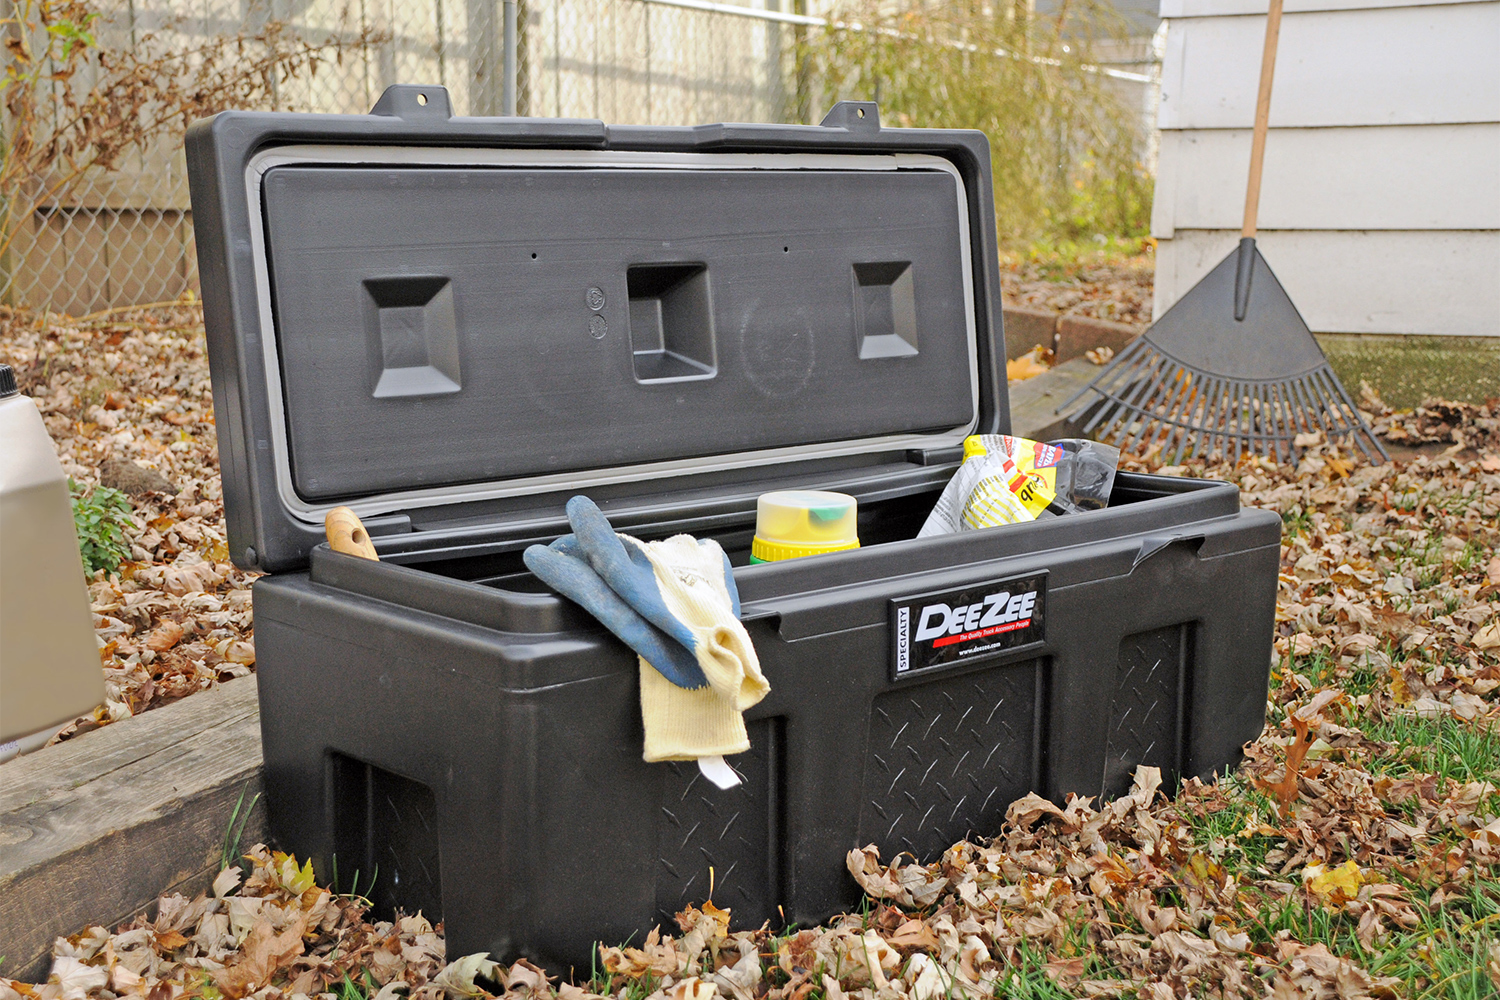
1232, 366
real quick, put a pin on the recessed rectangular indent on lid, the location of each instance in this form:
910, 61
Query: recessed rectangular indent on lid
671, 322
885, 309
412, 321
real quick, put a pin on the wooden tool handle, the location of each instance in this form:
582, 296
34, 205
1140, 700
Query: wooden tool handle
347, 534
1262, 114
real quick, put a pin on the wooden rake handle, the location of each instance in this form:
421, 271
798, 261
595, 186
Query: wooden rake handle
347, 534
1262, 114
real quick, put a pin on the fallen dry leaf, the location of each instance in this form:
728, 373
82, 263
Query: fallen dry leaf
1488, 637
166, 635
1028, 365
1285, 790
263, 954
1333, 887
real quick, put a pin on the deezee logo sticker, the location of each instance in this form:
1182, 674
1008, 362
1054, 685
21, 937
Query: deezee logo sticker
956, 626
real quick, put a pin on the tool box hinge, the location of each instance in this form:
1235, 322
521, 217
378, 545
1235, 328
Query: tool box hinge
414, 102
853, 116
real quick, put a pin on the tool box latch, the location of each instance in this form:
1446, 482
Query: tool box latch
1153, 544
853, 116
414, 103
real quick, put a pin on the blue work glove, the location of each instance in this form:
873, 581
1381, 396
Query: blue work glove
631, 574
563, 567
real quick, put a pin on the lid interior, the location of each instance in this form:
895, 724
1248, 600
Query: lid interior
453, 325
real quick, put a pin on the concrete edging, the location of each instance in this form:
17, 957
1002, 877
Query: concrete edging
1068, 336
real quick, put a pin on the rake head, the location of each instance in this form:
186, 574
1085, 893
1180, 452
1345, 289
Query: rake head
1203, 380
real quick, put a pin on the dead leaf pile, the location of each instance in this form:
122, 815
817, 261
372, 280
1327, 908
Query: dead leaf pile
1441, 421
1101, 286
127, 402
272, 935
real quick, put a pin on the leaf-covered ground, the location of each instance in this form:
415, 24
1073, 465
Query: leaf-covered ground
1353, 855
127, 402
1102, 284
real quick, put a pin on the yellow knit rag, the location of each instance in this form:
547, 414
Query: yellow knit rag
684, 724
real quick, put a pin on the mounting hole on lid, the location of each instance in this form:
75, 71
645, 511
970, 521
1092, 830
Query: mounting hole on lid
859, 111
533, 256
422, 99
786, 249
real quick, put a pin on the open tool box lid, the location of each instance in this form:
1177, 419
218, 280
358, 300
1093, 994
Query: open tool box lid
453, 324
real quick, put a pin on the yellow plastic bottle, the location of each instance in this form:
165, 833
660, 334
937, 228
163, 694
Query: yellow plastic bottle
794, 523
49, 658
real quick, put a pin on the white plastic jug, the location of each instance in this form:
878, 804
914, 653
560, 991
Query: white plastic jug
49, 658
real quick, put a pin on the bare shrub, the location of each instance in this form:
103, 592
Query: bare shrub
74, 107
1065, 147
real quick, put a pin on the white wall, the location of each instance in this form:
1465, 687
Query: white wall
1380, 204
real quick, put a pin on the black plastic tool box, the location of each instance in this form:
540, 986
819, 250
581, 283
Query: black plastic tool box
454, 324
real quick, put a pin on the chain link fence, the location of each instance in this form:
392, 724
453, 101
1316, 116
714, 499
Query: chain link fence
113, 238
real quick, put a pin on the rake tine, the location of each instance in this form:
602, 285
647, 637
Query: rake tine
1301, 408
1175, 405
1210, 395
1261, 411
1115, 395
1364, 428
1230, 421
1268, 420
1256, 419
1110, 405
1146, 389
1335, 406
1226, 416
1154, 396
1147, 375
1100, 379
1289, 418
1218, 443
1312, 409
1350, 436
1238, 416
1331, 408
1358, 430
1331, 404
1195, 402
1278, 415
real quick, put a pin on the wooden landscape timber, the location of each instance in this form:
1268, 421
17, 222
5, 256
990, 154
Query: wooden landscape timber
93, 830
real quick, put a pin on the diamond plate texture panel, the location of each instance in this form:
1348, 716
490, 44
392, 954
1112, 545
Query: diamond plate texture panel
733, 831
1143, 718
947, 757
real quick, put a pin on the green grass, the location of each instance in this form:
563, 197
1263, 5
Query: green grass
1454, 751
354, 891
229, 850
1218, 831
1060, 258
350, 990
1295, 522
1444, 956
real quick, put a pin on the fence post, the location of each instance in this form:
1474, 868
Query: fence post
508, 98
